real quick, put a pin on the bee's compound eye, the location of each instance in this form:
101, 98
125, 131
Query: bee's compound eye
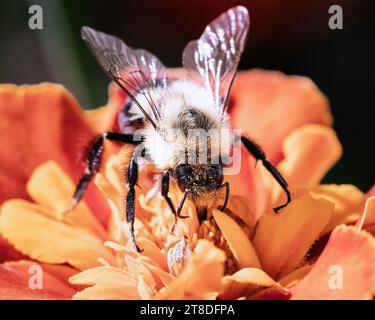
123, 116
216, 176
183, 175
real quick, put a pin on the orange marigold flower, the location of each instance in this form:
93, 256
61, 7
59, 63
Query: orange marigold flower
246, 252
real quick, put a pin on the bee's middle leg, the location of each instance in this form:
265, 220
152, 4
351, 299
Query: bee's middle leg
132, 175
93, 162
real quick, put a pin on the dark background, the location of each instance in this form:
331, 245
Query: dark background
286, 35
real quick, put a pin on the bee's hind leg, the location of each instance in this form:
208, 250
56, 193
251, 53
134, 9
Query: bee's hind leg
165, 189
258, 153
93, 162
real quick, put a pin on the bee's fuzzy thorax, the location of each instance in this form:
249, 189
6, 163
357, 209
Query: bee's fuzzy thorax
186, 106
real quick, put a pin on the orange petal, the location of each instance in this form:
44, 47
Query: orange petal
353, 253
8, 252
261, 99
137, 268
251, 184
201, 277
115, 204
14, 282
28, 227
368, 217
371, 192
105, 292
105, 276
52, 188
109, 190
244, 282
104, 118
348, 201
152, 251
272, 293
113, 170
241, 207
294, 277
144, 290
282, 240
237, 240
44, 122
165, 278
62, 272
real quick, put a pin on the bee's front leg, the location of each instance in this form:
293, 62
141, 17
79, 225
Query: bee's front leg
165, 189
227, 192
180, 206
179, 209
164, 192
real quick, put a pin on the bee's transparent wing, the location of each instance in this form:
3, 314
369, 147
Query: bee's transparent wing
135, 71
216, 54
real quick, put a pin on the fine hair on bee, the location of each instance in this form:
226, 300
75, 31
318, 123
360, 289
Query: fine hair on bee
179, 123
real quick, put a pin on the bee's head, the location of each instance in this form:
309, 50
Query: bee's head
196, 179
